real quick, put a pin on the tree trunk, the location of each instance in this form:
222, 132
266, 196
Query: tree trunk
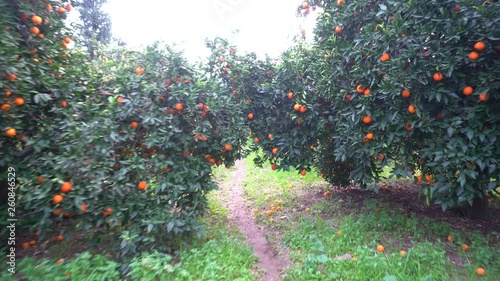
479, 208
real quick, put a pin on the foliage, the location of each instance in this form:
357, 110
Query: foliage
96, 25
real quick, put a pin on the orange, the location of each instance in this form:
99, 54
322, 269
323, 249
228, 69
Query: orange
303, 109
290, 95
360, 89
457, 9
69, 7
338, 29
61, 11
367, 119
274, 166
32, 242
303, 172
438, 76
59, 261
107, 212
48, 8
10, 132
8, 93
25, 245
467, 91
296, 107
268, 213
270, 136
305, 5
40, 179
484, 97
385, 57
256, 140
340, 2
84, 207
142, 185
57, 199
255, 211
380, 248
34, 30
64, 104
227, 147
275, 150
36, 20
411, 109
5, 107
120, 99
60, 238
403, 253
19, 101
473, 55
479, 46
381, 156
66, 187
250, 116
464, 246
449, 238
405, 93
67, 40
369, 136
480, 271
139, 70
366, 92
428, 178
308, 209
11, 77
179, 107
57, 212
134, 125
326, 194
339, 233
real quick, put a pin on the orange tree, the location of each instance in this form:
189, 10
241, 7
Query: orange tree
414, 84
125, 142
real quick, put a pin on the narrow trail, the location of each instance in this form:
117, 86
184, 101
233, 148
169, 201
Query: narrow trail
241, 215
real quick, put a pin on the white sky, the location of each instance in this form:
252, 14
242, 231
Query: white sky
264, 26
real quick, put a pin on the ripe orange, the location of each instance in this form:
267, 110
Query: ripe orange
32, 242
484, 97
67, 40
385, 57
338, 29
120, 99
405, 93
8, 93
60, 238
296, 107
428, 178
367, 119
256, 140
380, 248
290, 95
369, 136
366, 92
10, 132
303, 172
134, 125
473, 55
403, 253
255, 211
57, 212
303, 109
40, 179
84, 207
250, 116
36, 20
34, 30
57, 199
326, 194
142, 185
19, 101
360, 88
64, 103
275, 150
340, 2
48, 8
464, 246
479, 46
308, 209
179, 107
438, 76
480, 271
449, 238
270, 136
227, 147
274, 166
69, 7
381, 156
107, 212
5, 107
66, 187
139, 70
25, 245
411, 109
59, 261
268, 213
467, 91
61, 11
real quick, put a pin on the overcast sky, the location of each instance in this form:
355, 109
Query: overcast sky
264, 26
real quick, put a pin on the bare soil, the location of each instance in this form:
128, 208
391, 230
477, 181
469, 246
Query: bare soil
271, 260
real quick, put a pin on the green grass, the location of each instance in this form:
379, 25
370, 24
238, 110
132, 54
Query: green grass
313, 243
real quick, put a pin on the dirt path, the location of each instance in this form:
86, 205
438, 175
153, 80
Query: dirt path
241, 215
